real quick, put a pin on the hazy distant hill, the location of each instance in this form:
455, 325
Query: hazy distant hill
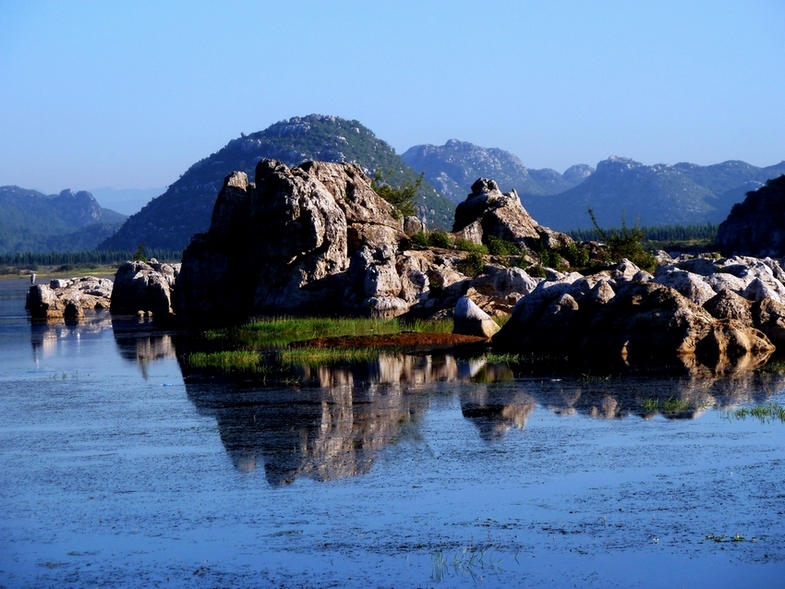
170, 220
453, 167
69, 221
655, 195
125, 200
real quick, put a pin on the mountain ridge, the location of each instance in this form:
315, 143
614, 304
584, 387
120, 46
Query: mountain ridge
69, 221
171, 219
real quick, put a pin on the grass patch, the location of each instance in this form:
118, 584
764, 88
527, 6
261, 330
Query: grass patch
228, 361
503, 358
669, 406
282, 331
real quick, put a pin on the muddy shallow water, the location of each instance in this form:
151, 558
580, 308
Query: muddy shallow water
118, 471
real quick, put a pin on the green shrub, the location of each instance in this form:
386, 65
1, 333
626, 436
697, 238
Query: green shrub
469, 246
420, 238
627, 243
501, 247
400, 197
471, 265
577, 256
439, 239
536, 271
551, 259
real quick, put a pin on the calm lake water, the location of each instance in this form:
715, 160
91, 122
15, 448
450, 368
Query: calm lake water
117, 470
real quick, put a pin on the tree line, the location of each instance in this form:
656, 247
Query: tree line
666, 233
33, 260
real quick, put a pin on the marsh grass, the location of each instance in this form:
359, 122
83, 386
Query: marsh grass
313, 357
669, 406
764, 413
503, 358
229, 361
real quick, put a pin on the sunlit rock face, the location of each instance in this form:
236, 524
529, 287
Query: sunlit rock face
284, 243
69, 298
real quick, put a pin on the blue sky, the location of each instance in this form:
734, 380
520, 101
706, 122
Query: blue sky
130, 94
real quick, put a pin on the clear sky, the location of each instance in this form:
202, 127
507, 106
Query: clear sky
129, 94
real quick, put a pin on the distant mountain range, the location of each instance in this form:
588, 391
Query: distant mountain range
453, 167
31, 221
617, 190
170, 220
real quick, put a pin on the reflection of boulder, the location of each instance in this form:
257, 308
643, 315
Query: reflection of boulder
46, 337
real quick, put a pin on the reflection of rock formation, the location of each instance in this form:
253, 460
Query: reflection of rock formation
495, 411
139, 341
46, 337
323, 433
670, 397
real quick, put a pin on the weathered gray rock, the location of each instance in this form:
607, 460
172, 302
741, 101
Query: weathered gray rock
469, 319
146, 287
412, 226
69, 299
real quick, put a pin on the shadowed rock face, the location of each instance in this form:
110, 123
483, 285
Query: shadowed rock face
756, 227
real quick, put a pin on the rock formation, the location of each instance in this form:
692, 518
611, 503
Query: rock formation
469, 319
314, 239
756, 227
68, 298
689, 310
147, 288
489, 212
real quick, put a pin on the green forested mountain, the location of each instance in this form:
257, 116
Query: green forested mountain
170, 220
69, 221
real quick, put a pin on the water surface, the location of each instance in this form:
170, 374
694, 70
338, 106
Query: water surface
119, 471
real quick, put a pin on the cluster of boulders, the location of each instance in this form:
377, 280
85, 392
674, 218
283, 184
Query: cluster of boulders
68, 298
139, 288
724, 313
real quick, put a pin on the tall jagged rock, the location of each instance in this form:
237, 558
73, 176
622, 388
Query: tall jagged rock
284, 243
